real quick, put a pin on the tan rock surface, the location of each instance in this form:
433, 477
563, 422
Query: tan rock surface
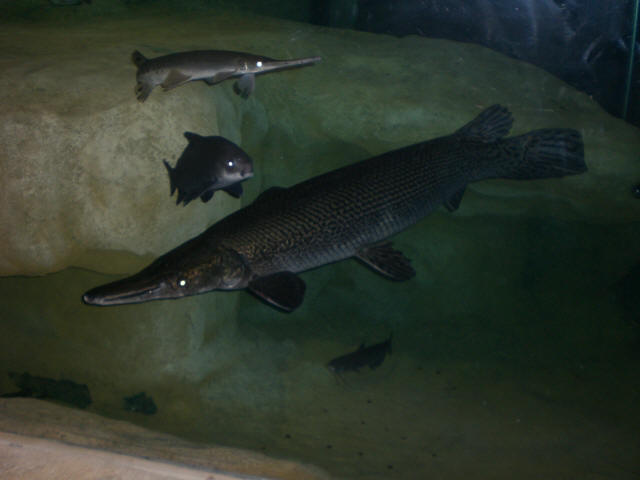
41, 440
81, 159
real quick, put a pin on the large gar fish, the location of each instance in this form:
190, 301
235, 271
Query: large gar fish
348, 212
212, 66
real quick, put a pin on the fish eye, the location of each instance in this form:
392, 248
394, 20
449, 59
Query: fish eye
259, 64
231, 164
182, 282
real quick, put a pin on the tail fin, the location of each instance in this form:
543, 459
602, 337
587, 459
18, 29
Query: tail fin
142, 90
545, 153
172, 184
137, 58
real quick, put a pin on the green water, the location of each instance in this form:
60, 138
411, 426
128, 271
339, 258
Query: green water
516, 348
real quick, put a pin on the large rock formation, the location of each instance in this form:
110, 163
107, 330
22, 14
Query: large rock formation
81, 159
47, 441
512, 289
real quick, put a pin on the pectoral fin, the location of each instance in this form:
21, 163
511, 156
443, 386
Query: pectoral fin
175, 79
387, 261
192, 137
206, 196
284, 290
234, 190
245, 85
218, 77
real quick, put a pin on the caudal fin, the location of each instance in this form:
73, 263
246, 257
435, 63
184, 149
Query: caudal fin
143, 90
545, 153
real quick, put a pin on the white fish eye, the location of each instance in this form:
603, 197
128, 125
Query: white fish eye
182, 283
259, 64
231, 164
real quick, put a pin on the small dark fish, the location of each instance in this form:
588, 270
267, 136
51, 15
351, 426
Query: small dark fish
65, 391
635, 191
211, 66
206, 165
140, 403
371, 356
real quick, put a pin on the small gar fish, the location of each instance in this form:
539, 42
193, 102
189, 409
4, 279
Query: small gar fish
347, 213
371, 356
206, 165
211, 66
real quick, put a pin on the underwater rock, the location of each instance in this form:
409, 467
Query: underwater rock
87, 182
40, 387
61, 426
140, 403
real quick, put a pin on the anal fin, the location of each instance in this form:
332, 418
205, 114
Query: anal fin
219, 77
245, 85
234, 190
284, 290
389, 262
206, 196
175, 79
453, 202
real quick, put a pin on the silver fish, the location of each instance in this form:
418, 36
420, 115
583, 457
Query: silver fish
211, 66
348, 212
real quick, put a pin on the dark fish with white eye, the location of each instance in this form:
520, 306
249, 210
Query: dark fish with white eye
208, 164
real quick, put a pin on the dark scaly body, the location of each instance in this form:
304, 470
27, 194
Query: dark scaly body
330, 217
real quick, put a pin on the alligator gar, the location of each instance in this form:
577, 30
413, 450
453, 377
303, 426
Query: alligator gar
347, 212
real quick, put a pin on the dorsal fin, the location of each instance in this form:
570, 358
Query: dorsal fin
490, 125
190, 136
137, 58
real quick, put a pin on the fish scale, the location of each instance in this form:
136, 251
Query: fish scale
332, 216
